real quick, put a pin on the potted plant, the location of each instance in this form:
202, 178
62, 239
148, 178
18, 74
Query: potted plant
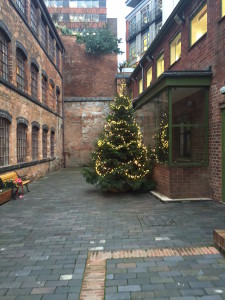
5, 192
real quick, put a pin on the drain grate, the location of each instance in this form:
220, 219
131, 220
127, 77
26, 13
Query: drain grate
156, 221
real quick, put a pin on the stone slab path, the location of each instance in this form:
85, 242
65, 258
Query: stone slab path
49, 238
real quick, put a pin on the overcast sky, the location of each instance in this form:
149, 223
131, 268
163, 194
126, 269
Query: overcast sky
118, 9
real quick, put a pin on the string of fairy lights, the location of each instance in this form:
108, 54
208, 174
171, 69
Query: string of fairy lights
135, 168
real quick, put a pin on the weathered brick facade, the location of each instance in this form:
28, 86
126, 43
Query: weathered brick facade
207, 52
26, 105
90, 86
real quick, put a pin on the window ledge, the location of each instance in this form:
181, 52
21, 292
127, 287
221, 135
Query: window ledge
175, 63
221, 20
197, 42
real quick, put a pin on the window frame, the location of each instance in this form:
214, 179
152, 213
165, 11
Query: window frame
160, 58
43, 33
171, 44
21, 4
34, 139
149, 69
21, 142
4, 137
192, 18
51, 88
4, 55
44, 143
44, 89
34, 80
21, 69
52, 143
51, 48
33, 16
140, 85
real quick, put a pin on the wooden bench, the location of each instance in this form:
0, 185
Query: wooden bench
12, 176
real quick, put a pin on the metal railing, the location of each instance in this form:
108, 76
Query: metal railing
144, 22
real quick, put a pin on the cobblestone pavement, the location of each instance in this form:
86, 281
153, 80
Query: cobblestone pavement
45, 239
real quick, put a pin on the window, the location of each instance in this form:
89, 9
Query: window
57, 56
20, 69
52, 143
33, 16
160, 65
35, 131
51, 95
175, 49
145, 15
4, 142
223, 7
4, 67
44, 89
132, 50
43, 34
44, 143
199, 25
149, 76
51, 46
145, 41
34, 80
140, 86
57, 101
21, 142
21, 4
132, 26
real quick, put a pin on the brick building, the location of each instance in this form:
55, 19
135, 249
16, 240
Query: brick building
176, 91
30, 89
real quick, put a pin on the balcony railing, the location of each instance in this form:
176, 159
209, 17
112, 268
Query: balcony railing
141, 25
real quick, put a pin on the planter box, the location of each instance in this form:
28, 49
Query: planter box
5, 196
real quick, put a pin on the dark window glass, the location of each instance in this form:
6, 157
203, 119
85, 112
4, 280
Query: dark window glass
51, 47
57, 101
43, 33
4, 142
44, 143
35, 143
3, 56
52, 143
20, 69
34, 81
33, 16
57, 56
21, 4
44, 89
21, 142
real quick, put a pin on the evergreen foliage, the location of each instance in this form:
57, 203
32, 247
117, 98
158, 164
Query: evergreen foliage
120, 161
99, 41
162, 140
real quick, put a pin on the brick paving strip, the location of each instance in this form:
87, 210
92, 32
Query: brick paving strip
94, 276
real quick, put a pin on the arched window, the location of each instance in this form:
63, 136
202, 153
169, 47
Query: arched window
35, 131
4, 56
58, 100
33, 15
44, 89
44, 142
51, 47
21, 4
51, 94
21, 142
20, 69
4, 141
52, 143
34, 80
43, 33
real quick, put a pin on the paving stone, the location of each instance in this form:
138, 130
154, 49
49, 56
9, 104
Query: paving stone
129, 288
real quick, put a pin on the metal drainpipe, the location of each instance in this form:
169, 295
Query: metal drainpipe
142, 76
63, 122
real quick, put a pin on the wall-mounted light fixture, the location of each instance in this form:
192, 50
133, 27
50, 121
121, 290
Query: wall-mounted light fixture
150, 58
179, 20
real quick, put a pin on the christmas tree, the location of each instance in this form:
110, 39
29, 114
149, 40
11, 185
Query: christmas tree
120, 161
162, 140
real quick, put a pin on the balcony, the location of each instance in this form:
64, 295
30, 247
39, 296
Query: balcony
150, 18
132, 3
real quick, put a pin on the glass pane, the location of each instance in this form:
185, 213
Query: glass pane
199, 25
189, 125
160, 65
149, 76
223, 8
175, 49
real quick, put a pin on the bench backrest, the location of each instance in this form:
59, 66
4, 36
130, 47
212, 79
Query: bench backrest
8, 176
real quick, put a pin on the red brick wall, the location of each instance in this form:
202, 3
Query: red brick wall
208, 51
89, 85
18, 104
176, 183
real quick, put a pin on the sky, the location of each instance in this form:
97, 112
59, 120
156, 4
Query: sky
118, 9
